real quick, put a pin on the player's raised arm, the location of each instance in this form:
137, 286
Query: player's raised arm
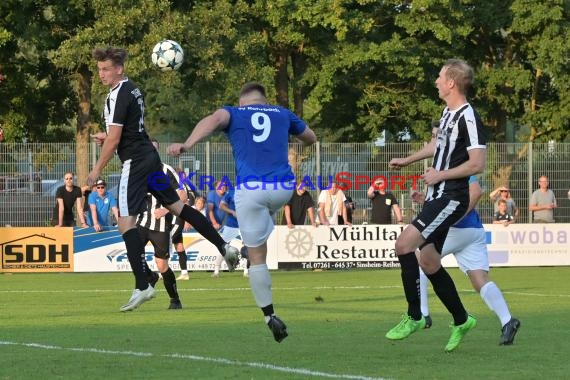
205, 127
307, 137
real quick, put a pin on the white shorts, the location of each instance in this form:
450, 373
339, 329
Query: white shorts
229, 233
256, 205
469, 247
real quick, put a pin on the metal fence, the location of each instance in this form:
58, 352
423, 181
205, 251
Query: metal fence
31, 173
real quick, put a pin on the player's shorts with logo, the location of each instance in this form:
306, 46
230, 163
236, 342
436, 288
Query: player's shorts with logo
438, 215
139, 177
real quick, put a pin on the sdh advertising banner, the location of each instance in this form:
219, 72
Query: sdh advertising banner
36, 249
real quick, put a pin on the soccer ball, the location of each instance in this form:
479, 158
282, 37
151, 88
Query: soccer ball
167, 55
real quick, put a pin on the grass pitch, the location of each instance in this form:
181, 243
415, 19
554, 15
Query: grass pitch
68, 326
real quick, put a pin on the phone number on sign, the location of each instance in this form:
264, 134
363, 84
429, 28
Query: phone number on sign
344, 264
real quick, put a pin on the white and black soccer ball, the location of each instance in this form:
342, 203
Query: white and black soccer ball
167, 55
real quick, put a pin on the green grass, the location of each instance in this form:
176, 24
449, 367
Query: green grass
68, 326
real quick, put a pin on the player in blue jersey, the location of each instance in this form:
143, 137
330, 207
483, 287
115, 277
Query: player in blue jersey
259, 136
126, 135
466, 241
230, 229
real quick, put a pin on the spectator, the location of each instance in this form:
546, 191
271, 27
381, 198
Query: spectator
299, 206
101, 202
502, 216
216, 216
502, 192
66, 196
383, 203
349, 205
86, 190
543, 202
331, 206
200, 205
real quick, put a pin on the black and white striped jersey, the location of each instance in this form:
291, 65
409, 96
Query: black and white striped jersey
459, 131
178, 225
146, 219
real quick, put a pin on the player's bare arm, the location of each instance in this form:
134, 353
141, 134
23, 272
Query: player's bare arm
110, 144
98, 138
205, 127
425, 152
307, 137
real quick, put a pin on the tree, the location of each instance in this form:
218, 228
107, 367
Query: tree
351, 68
38, 104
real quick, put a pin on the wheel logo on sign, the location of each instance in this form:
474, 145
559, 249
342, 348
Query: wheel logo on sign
299, 243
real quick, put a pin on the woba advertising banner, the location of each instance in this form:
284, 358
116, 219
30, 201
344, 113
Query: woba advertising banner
528, 244
36, 249
105, 252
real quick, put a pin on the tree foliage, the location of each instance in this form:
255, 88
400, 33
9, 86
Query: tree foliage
351, 68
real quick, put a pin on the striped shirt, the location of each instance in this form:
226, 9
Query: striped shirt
146, 219
178, 225
459, 131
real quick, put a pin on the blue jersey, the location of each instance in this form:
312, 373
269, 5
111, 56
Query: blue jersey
228, 199
472, 219
102, 205
259, 135
214, 199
